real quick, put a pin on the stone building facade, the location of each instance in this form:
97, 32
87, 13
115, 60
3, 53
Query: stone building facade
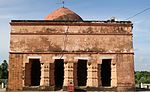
47, 54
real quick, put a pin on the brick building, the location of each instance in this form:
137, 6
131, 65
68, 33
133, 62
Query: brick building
46, 54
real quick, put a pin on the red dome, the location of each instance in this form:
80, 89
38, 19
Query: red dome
63, 14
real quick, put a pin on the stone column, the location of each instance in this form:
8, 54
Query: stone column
68, 72
113, 74
89, 74
44, 74
92, 74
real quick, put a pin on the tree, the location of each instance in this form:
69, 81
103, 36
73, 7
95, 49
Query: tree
142, 76
4, 70
0, 72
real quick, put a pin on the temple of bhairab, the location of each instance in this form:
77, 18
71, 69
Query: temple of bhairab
93, 55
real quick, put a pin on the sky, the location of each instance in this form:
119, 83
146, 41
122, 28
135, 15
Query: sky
88, 10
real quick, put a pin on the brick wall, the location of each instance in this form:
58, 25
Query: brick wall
125, 70
15, 72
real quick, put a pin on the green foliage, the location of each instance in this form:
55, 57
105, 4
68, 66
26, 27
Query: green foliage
142, 76
4, 70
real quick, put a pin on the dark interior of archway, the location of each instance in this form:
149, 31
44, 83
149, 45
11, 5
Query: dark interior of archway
82, 72
59, 73
106, 72
35, 72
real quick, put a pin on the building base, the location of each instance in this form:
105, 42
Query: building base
39, 88
65, 88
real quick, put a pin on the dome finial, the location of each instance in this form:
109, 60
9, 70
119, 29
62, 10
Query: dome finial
62, 2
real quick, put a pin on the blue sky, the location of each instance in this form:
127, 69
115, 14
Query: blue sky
88, 10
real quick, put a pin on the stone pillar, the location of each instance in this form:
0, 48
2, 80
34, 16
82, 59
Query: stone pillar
113, 74
89, 75
44, 74
92, 74
68, 72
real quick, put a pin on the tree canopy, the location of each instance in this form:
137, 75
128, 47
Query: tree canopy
142, 77
4, 70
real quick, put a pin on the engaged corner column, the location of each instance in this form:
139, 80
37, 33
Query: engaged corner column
44, 74
68, 72
113, 73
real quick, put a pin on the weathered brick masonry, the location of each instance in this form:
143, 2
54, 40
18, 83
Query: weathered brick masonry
105, 47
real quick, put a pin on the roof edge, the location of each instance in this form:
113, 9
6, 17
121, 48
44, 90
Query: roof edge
86, 21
